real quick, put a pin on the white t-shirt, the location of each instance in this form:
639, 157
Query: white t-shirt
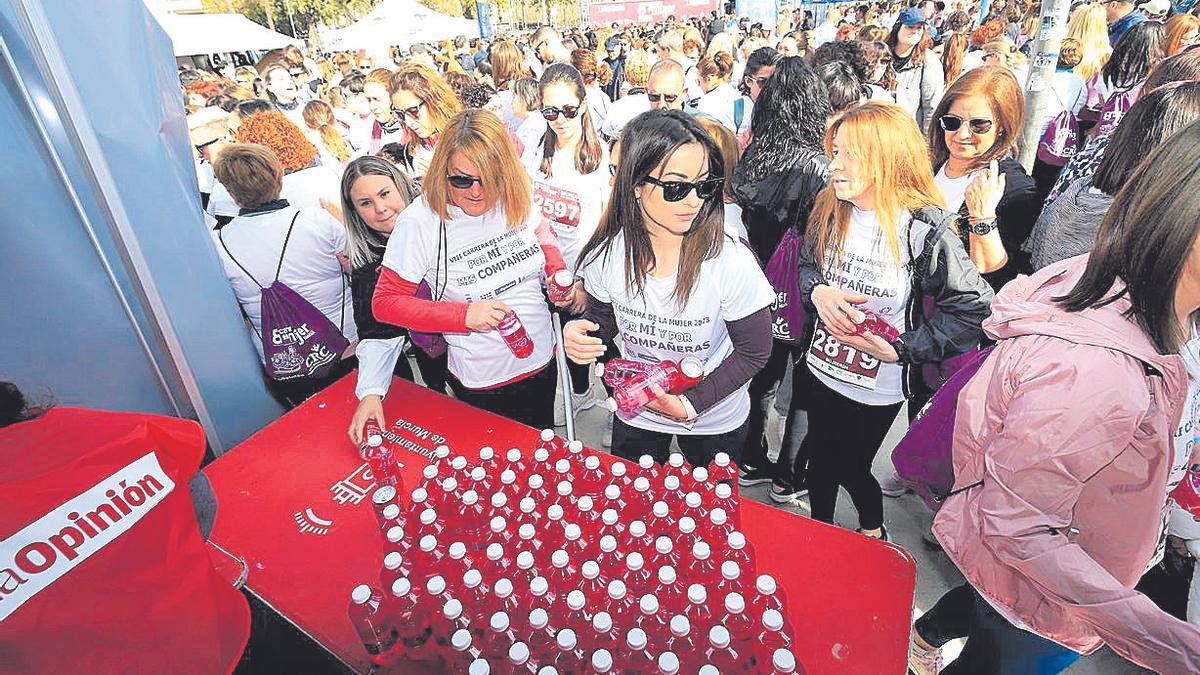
482, 260
867, 268
953, 189
652, 327
310, 264
621, 112
719, 103
570, 201
306, 187
598, 104
1185, 434
530, 131
733, 222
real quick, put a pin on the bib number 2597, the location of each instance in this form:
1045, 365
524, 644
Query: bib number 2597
557, 205
842, 362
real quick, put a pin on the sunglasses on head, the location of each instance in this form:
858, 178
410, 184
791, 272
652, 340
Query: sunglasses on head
676, 190
669, 98
462, 182
954, 123
551, 114
413, 112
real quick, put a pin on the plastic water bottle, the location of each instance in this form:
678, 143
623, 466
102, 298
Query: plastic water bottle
471, 518
619, 474
681, 642
381, 499
564, 496
731, 579
768, 594
495, 563
637, 577
588, 518
519, 662
498, 638
457, 561
603, 631
702, 569
698, 610
592, 477
610, 524
528, 512
574, 451
498, 506
452, 618
551, 444
668, 664
419, 500
497, 532
509, 485
562, 572
649, 469
652, 621
602, 661
633, 394
559, 286
875, 324
612, 498
736, 620
397, 542
672, 490
784, 663
739, 550
610, 560
701, 480
593, 585
428, 524
677, 466
429, 559
516, 462
569, 659
720, 651
460, 470
722, 470
619, 371
719, 527
527, 538
772, 637
463, 654
381, 457
542, 463
552, 534
540, 636
505, 600
448, 499
694, 507
393, 569
436, 592
638, 538
621, 606
687, 536
661, 522
540, 593
441, 459
636, 657
723, 498
574, 613
488, 460
412, 620
536, 488
374, 625
476, 594
643, 495
671, 590
514, 335
664, 553
526, 569
573, 542
479, 666
480, 480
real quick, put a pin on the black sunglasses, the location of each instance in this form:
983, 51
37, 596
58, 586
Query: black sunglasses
953, 123
676, 190
669, 98
413, 112
551, 114
463, 182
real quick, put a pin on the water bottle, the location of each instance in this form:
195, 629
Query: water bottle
463, 654
612, 498
574, 451
498, 506
527, 511
720, 652
381, 500
719, 527
723, 470
476, 594
772, 637
495, 563
672, 490
528, 539
419, 501
603, 630
479, 666
516, 462
635, 657
637, 578
573, 542
480, 480
470, 518
700, 479
436, 592
677, 466
731, 579
668, 664
592, 477
374, 625
661, 521
381, 457
428, 524
681, 643
602, 661
649, 469
698, 610
568, 659
540, 637
562, 572
643, 495
739, 550
687, 537
505, 600
672, 590
498, 532
412, 621
631, 395
784, 663
693, 506
519, 662
652, 620
488, 460
457, 562
514, 335
441, 459
702, 569
552, 534
875, 324
508, 484
499, 638
559, 286
593, 585
397, 542
587, 518
526, 570
540, 593
621, 606
574, 612
564, 496
610, 524
723, 498
664, 553
736, 620
610, 560
563, 471
768, 594
620, 371
460, 470
429, 559
447, 501
393, 569
536, 488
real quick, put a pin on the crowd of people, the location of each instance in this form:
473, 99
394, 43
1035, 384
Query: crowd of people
750, 196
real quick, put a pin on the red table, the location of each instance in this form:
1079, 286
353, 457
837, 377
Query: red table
292, 503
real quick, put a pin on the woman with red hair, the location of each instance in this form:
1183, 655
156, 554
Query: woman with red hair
306, 182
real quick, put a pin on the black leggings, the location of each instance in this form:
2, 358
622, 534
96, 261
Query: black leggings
790, 469
843, 437
529, 400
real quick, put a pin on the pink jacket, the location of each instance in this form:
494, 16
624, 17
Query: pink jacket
1069, 426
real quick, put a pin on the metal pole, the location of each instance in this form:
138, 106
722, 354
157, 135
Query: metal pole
564, 376
287, 4
1038, 90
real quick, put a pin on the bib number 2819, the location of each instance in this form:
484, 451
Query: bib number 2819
842, 362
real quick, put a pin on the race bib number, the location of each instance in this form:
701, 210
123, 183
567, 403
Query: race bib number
558, 205
842, 362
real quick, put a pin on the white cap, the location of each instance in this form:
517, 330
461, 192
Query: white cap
675, 460
428, 543
503, 588
680, 625
441, 452
564, 488
735, 603
765, 584
458, 463
783, 660
718, 516
514, 455
392, 561
585, 503
608, 543
618, 469
737, 540
602, 622
421, 495
661, 510
563, 466
458, 550
575, 600
470, 498
559, 558
436, 585
538, 618
599, 369
495, 551
518, 653
666, 575
547, 670
668, 663
527, 504
461, 640
526, 531
563, 277
572, 531
541, 455
616, 589
547, 435
554, 512
450, 484
730, 570
499, 500
687, 525
361, 594
428, 517
395, 534
602, 661
701, 551
700, 474
708, 669
610, 517
697, 594
591, 569
611, 404
401, 586
535, 481
391, 512
591, 463
497, 524
452, 609
663, 545
641, 484
472, 578
722, 459
646, 462
486, 453
723, 491
525, 560
637, 528
538, 586
671, 483
499, 621
692, 499
648, 604
428, 473
772, 620
565, 639
636, 638
478, 474
634, 561
718, 636
575, 447
613, 491
508, 476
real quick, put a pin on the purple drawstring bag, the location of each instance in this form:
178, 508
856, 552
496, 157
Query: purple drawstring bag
783, 271
924, 458
432, 344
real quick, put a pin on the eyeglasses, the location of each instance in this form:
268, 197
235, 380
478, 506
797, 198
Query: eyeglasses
953, 123
676, 190
759, 80
462, 182
551, 114
413, 112
669, 98
612, 169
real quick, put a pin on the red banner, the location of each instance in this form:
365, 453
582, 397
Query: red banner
646, 11
102, 567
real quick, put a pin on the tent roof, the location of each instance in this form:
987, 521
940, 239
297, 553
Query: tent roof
193, 34
400, 22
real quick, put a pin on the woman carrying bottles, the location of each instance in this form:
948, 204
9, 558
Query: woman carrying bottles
570, 184
666, 281
474, 237
878, 241
374, 193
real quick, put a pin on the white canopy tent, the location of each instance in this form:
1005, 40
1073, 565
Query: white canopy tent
399, 22
193, 34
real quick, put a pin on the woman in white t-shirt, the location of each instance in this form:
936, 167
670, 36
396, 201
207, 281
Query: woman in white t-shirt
568, 167
421, 97
475, 238
878, 240
666, 281
720, 99
306, 181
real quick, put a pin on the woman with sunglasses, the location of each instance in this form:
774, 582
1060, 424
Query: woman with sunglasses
426, 103
474, 237
387, 126
878, 240
971, 145
374, 193
666, 281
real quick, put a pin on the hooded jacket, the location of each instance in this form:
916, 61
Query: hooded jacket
919, 87
1068, 430
779, 200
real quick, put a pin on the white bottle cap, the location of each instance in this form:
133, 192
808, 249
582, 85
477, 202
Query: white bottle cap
663, 545
646, 462
563, 278
461, 640
428, 543
428, 517
526, 532
718, 516
687, 525
766, 584
508, 476
591, 463
602, 622
458, 550
666, 575
452, 609
641, 484
724, 491
536, 481
495, 552
478, 474
499, 621
472, 578
675, 460
391, 512
701, 551
680, 626
700, 474
538, 586
691, 367
636, 638
559, 558
421, 495
395, 534
697, 594
392, 561
613, 492
497, 524
503, 588
575, 600
692, 499
428, 473
436, 585
719, 636
499, 500
518, 653
671, 483
616, 589
564, 489
555, 512
470, 498
361, 594
458, 463
661, 510
708, 669
648, 604
608, 543
547, 435
565, 639
441, 452
575, 447
784, 661
737, 540
547, 670
486, 453
602, 661
668, 663
538, 618
591, 570
525, 560
572, 532
450, 484
637, 528
401, 586
563, 466
722, 459
541, 455
735, 603
610, 517
634, 561
730, 570
772, 620
527, 504
618, 469
513, 456
584, 504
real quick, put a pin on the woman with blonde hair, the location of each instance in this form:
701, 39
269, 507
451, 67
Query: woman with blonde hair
882, 210
325, 133
426, 103
475, 239
1089, 27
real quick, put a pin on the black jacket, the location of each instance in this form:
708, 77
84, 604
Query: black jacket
1016, 213
941, 269
362, 289
777, 201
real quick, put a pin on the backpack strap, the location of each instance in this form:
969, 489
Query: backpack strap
286, 239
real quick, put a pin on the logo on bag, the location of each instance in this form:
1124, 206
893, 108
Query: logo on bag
51, 546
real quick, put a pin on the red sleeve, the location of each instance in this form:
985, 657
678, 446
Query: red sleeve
395, 302
550, 247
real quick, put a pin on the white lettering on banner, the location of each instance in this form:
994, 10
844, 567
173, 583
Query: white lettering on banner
309, 521
53, 545
353, 488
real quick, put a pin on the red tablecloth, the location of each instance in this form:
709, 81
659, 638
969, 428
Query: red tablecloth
293, 504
